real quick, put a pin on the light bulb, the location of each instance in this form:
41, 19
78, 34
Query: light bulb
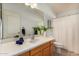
34, 5
28, 4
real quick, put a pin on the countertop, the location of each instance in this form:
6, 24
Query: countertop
11, 49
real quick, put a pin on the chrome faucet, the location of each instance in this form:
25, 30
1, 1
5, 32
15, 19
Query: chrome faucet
33, 37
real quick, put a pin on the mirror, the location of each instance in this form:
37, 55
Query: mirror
0, 21
18, 15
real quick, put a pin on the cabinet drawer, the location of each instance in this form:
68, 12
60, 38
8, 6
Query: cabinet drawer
46, 45
36, 50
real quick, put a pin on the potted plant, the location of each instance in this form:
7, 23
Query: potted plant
43, 30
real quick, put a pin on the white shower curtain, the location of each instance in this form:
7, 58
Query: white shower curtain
66, 31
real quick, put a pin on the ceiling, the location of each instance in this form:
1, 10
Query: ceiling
62, 7
58, 9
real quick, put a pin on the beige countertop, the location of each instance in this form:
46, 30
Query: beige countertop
10, 48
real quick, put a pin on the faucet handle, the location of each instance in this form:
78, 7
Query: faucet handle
33, 37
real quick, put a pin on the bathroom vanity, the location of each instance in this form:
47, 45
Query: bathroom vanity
46, 49
41, 46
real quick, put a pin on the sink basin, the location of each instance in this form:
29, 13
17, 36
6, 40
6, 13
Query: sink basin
34, 40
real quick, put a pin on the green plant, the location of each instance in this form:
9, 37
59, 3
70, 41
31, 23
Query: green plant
44, 28
40, 29
16, 36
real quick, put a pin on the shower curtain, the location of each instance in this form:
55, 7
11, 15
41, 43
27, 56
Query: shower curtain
66, 31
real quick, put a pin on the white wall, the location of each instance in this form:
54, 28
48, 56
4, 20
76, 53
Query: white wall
46, 8
28, 17
66, 31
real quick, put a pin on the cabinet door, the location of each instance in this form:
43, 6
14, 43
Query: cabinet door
37, 54
46, 51
36, 51
49, 49
52, 49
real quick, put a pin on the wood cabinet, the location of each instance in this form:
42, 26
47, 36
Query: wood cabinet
25, 54
36, 51
39, 53
52, 49
46, 49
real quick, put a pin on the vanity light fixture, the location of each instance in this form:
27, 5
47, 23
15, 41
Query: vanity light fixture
32, 5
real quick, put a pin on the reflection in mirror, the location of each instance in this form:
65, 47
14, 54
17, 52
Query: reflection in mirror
0, 21
18, 15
